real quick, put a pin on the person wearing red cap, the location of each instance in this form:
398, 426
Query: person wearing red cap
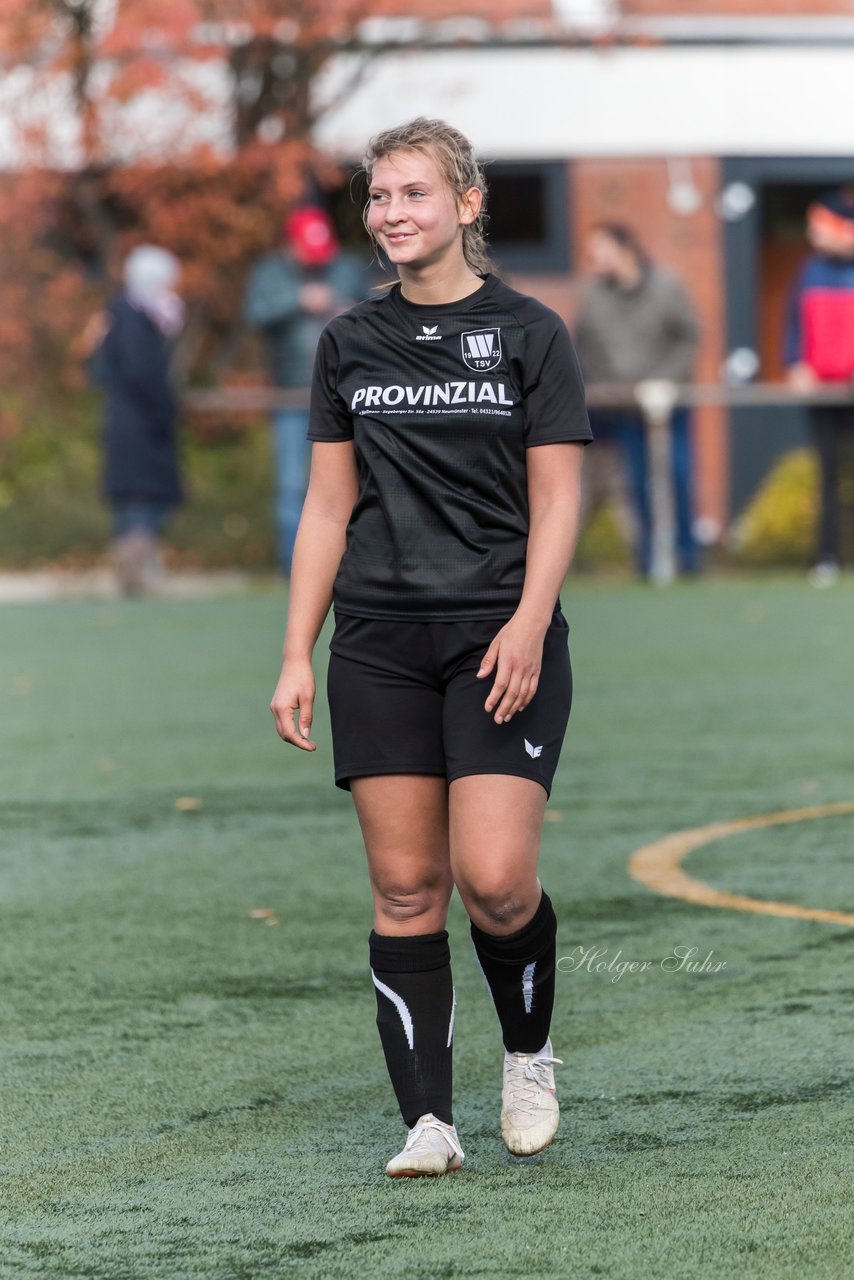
290, 296
820, 348
311, 236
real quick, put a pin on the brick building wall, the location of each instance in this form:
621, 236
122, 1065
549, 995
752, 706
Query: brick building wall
498, 11
492, 11
635, 191
738, 8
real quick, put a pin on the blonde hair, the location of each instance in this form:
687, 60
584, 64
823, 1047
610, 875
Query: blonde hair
455, 159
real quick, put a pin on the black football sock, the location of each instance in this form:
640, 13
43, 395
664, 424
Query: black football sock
415, 1017
520, 972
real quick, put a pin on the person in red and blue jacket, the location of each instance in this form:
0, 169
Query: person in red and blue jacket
819, 347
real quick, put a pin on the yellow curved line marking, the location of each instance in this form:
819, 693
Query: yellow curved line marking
657, 865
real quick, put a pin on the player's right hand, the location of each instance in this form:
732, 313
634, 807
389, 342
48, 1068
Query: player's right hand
292, 705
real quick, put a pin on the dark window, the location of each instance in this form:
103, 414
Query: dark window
527, 204
528, 215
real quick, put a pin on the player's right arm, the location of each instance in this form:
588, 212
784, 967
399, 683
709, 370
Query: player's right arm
320, 543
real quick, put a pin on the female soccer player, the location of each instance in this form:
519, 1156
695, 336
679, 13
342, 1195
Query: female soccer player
447, 420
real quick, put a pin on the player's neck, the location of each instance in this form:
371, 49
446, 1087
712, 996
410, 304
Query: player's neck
438, 283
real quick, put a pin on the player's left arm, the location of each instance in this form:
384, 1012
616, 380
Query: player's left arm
554, 501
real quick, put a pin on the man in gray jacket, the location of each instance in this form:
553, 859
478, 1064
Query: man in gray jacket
291, 295
635, 322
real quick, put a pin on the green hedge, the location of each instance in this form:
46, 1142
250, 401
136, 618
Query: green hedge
51, 511
601, 544
778, 527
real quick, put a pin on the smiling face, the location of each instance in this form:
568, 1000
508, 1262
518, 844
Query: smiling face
414, 214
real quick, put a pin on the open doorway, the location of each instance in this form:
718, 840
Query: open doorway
765, 244
782, 249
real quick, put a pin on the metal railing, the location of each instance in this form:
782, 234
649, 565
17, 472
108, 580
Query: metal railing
600, 395
655, 408
655, 403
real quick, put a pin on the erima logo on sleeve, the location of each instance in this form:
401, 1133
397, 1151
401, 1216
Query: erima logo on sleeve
429, 333
481, 349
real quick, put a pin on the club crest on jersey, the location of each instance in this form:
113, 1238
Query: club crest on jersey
482, 349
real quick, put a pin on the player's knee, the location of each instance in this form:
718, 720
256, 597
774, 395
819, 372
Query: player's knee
399, 904
497, 905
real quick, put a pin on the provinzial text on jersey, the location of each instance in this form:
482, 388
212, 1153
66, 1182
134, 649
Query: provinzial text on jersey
431, 394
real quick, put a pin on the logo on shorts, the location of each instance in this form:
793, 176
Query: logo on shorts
429, 333
482, 349
533, 752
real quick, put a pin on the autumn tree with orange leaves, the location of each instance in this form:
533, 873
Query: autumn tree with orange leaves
183, 122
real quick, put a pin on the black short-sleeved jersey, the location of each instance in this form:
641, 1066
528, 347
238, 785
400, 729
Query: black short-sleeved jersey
441, 403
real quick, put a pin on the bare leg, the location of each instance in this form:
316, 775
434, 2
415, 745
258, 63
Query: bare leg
496, 823
404, 821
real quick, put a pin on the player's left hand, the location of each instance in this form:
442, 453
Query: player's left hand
516, 657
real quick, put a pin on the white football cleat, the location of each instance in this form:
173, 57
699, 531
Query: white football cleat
432, 1148
530, 1113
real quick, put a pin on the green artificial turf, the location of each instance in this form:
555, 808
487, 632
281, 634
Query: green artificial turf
190, 1092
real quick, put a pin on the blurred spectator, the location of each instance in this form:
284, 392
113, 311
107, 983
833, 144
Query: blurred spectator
820, 348
636, 324
291, 294
141, 477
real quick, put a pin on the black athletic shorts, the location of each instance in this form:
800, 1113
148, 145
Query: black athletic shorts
404, 698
